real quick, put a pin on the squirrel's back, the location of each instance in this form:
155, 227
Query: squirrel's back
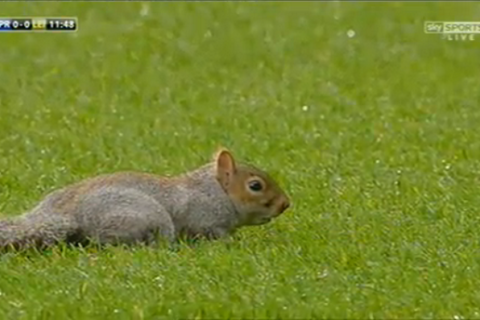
67, 198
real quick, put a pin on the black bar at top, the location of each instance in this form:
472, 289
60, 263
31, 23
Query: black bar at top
61, 24
20, 24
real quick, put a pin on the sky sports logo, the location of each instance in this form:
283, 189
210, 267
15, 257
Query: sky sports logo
455, 30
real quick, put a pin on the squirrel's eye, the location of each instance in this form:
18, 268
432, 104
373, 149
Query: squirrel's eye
255, 185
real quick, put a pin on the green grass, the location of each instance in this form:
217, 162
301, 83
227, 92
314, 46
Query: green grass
382, 167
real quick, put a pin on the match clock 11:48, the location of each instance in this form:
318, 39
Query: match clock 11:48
61, 24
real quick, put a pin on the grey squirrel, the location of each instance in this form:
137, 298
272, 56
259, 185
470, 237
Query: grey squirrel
133, 207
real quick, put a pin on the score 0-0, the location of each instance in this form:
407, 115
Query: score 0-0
38, 24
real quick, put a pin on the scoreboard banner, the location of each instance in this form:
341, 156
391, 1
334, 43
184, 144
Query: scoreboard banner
35, 24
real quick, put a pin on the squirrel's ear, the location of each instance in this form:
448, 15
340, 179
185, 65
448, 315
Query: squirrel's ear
225, 167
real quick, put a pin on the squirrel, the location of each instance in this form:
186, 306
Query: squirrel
209, 202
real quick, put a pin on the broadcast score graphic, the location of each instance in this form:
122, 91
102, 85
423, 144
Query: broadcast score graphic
36, 24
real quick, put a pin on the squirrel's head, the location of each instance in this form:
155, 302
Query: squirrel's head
256, 196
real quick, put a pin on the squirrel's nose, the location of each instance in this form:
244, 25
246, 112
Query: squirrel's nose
284, 205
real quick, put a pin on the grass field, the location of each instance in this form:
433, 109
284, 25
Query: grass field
371, 125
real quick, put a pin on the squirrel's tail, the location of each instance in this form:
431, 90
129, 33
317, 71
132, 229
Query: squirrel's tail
33, 231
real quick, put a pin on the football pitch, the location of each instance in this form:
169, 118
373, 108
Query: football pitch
370, 124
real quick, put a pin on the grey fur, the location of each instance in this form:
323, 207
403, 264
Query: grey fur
127, 208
